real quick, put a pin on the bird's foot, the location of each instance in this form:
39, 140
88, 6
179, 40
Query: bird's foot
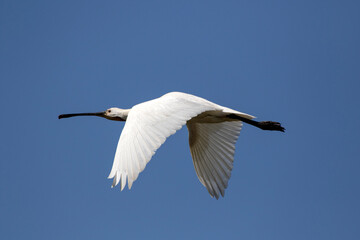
272, 126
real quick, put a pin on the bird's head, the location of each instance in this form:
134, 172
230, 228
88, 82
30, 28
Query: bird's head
115, 114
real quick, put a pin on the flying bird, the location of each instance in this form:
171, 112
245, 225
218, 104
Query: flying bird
213, 132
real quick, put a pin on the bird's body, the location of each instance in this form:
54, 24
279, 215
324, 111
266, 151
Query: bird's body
213, 131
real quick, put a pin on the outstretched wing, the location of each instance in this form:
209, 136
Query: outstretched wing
146, 129
212, 147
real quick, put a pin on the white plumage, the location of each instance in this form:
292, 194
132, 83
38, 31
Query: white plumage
212, 142
213, 131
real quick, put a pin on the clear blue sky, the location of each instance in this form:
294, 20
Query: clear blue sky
296, 62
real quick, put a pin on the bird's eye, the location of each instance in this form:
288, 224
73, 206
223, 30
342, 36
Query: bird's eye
109, 111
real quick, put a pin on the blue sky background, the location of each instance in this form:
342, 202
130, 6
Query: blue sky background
296, 62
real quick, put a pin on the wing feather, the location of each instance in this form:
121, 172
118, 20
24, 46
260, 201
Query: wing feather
212, 146
146, 129
211, 164
205, 171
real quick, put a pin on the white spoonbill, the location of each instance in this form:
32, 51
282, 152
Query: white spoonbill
213, 131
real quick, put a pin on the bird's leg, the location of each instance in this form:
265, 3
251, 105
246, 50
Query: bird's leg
264, 125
